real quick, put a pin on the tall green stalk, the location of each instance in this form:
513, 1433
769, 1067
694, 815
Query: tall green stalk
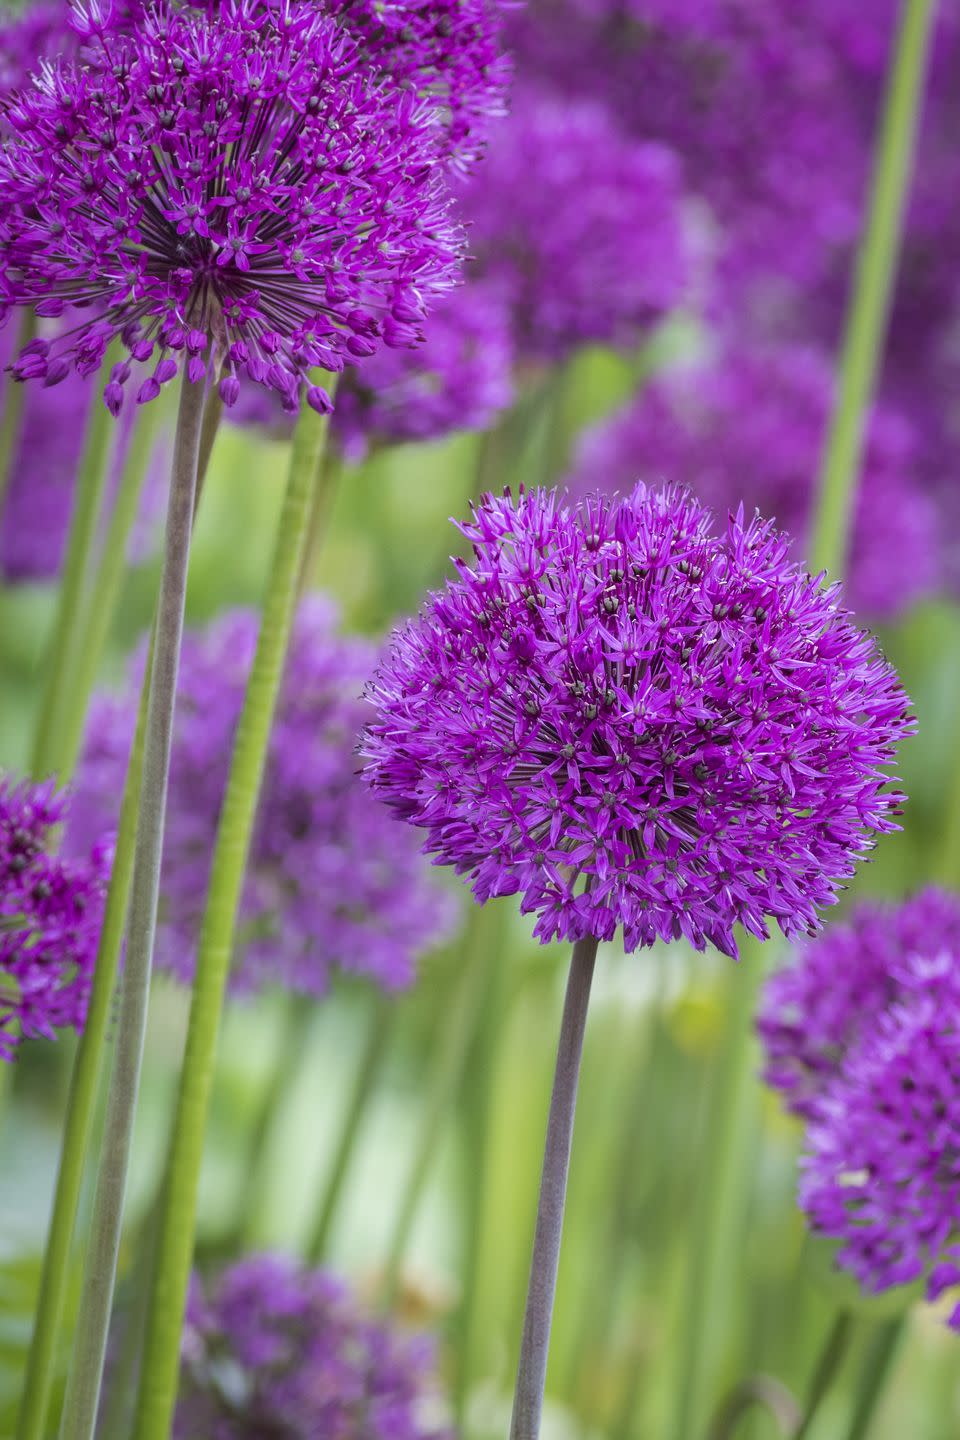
723, 1184
11, 421
873, 285
876, 1372
86, 1371
161, 1360
67, 623
825, 1371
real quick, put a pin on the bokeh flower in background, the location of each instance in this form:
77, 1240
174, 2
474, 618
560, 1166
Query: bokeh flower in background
881, 1168
237, 186
580, 225
635, 721
816, 1010
330, 884
747, 427
50, 914
271, 1348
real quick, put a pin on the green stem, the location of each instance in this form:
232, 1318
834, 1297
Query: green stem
535, 1342
161, 1361
106, 581
759, 1392
827, 1367
873, 285
365, 1079
873, 1378
76, 573
457, 1035
321, 503
723, 1182
83, 1385
11, 421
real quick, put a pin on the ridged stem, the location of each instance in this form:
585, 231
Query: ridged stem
825, 1372
65, 636
873, 284
456, 1038
86, 1372
875, 1374
535, 1342
11, 421
161, 1360
364, 1083
723, 1179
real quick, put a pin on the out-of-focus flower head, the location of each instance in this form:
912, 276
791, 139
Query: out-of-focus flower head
749, 425
50, 915
881, 1171
580, 225
328, 885
816, 1010
274, 1348
633, 720
41, 31
236, 188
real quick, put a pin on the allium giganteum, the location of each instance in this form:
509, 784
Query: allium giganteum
637, 721
240, 190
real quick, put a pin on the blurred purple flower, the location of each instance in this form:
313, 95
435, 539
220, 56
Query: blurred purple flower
580, 225
50, 915
239, 184
276, 1349
634, 721
328, 883
749, 426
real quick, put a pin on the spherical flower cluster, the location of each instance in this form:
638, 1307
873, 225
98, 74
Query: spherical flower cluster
580, 225
881, 1172
634, 721
749, 425
275, 1349
459, 378
815, 1011
235, 189
328, 885
50, 915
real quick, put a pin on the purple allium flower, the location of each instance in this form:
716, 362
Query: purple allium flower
881, 1171
749, 426
459, 378
632, 720
235, 187
276, 1349
816, 1010
579, 224
328, 883
50, 915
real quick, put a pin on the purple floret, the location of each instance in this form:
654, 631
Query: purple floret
749, 426
238, 187
272, 1348
329, 885
637, 722
50, 915
881, 1172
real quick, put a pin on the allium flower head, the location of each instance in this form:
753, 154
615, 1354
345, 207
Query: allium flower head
634, 721
881, 1171
580, 224
275, 1349
749, 426
816, 1010
50, 914
327, 884
235, 187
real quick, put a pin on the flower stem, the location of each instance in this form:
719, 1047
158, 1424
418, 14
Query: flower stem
76, 567
874, 1376
11, 422
825, 1372
99, 610
86, 1372
758, 1391
457, 1037
532, 1370
365, 1079
722, 1183
161, 1360
873, 285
